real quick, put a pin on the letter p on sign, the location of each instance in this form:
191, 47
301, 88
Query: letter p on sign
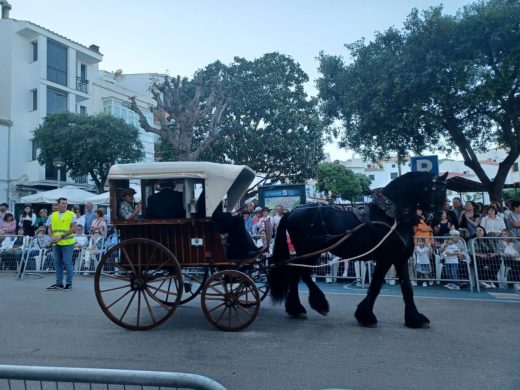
425, 164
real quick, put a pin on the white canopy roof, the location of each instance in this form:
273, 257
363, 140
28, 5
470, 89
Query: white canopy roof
220, 179
74, 196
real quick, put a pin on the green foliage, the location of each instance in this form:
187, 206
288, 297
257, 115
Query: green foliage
89, 145
446, 83
270, 124
513, 194
340, 182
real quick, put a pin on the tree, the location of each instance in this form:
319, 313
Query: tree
340, 182
270, 124
188, 111
446, 83
88, 144
254, 113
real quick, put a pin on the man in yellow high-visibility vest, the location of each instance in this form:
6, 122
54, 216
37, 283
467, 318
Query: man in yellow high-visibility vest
62, 228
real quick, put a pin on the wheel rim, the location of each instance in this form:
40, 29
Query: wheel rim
230, 300
193, 279
137, 284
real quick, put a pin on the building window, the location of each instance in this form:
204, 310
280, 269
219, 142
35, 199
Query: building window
393, 175
34, 45
372, 177
34, 94
56, 63
81, 179
56, 100
51, 173
82, 110
515, 167
34, 150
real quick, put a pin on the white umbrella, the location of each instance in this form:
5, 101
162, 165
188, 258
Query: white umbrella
74, 196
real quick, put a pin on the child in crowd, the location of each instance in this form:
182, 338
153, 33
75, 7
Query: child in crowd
423, 267
451, 253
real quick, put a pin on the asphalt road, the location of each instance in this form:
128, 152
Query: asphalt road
474, 341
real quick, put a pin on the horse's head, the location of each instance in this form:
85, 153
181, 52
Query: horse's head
418, 190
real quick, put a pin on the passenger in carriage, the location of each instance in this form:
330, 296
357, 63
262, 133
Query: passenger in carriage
167, 203
126, 208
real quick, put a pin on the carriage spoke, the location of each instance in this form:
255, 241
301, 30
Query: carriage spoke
152, 315
115, 288
115, 277
127, 306
128, 260
117, 300
216, 307
160, 302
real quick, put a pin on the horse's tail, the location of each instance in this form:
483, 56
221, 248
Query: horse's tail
278, 277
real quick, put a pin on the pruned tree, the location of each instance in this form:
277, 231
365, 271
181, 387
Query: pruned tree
189, 112
89, 145
447, 83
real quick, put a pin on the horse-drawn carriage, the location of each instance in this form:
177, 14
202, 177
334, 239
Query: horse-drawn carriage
161, 263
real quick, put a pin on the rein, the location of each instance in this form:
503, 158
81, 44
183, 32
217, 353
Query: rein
335, 245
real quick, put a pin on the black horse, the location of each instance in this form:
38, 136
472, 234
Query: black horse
386, 224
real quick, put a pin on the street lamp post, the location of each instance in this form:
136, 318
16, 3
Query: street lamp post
58, 163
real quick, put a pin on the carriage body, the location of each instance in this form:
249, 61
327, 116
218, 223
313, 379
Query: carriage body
161, 263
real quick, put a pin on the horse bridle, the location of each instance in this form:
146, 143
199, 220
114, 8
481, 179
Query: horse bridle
432, 189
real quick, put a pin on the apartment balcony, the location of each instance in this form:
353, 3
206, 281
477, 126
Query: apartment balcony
82, 84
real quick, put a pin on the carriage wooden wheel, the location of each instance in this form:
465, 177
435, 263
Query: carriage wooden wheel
138, 284
258, 272
193, 279
230, 300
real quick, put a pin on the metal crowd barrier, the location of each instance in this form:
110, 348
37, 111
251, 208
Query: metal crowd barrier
496, 261
359, 273
61, 378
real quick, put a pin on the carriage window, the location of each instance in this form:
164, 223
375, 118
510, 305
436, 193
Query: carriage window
165, 199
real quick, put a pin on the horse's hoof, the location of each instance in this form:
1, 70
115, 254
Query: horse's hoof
367, 325
368, 321
323, 313
419, 321
299, 316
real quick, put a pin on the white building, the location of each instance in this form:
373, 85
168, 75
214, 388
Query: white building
42, 72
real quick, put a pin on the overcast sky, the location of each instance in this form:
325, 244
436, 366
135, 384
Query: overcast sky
181, 36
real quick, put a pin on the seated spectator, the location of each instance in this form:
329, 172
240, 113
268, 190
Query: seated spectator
113, 239
93, 250
248, 221
469, 220
41, 218
512, 218
127, 210
81, 242
492, 223
12, 254
510, 251
8, 224
167, 203
486, 256
423, 230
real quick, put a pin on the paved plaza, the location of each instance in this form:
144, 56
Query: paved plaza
473, 342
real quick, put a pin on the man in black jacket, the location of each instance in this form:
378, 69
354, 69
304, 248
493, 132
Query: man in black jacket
166, 203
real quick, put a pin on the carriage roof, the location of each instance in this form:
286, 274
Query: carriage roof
220, 179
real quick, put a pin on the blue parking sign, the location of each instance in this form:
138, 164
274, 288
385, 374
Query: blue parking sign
425, 164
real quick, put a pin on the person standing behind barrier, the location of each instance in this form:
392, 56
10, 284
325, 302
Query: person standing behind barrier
486, 256
27, 220
89, 216
8, 224
62, 229
99, 223
492, 223
457, 207
469, 219
423, 266
54, 208
512, 218
450, 251
509, 248
423, 229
